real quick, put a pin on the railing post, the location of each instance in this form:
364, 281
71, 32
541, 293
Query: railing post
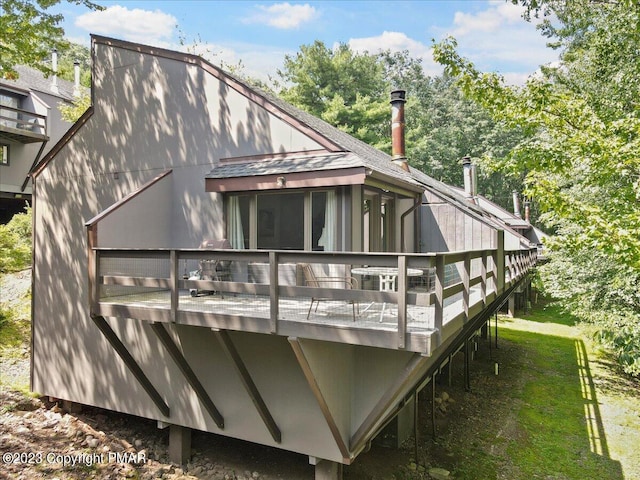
173, 280
466, 275
439, 306
483, 276
498, 263
402, 300
93, 258
273, 290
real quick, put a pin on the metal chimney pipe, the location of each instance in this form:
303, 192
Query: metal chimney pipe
527, 211
76, 77
54, 67
516, 204
467, 173
398, 154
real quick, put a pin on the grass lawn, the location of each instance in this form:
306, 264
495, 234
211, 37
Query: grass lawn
576, 416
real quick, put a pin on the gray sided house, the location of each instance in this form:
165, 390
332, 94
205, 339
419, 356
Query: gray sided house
322, 298
30, 124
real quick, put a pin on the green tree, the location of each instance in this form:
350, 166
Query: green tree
317, 74
28, 33
71, 113
582, 125
351, 91
66, 63
340, 86
447, 126
580, 153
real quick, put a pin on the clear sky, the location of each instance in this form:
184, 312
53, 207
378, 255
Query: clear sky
492, 34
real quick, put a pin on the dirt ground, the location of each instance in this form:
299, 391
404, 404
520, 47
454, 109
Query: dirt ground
98, 439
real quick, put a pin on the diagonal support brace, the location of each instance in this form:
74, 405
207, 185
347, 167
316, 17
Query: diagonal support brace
131, 363
231, 351
190, 376
322, 403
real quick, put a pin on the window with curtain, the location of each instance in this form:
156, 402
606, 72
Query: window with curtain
238, 221
283, 221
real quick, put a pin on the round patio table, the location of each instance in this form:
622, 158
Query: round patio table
387, 276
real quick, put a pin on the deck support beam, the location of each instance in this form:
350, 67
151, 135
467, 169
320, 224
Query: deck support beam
405, 378
131, 363
511, 306
175, 353
317, 392
179, 444
233, 355
326, 469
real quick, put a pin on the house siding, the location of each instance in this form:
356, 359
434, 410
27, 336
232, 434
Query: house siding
153, 114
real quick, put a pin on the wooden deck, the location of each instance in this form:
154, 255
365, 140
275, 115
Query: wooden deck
152, 285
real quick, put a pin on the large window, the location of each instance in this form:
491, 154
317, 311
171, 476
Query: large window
283, 221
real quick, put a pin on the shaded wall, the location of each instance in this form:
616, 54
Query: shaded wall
447, 228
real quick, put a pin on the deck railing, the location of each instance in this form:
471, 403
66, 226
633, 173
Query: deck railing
267, 293
22, 122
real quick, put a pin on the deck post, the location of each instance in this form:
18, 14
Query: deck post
173, 280
402, 301
439, 306
179, 444
511, 305
466, 275
483, 283
498, 263
273, 290
326, 469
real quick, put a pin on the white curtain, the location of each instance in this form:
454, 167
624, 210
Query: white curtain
235, 233
328, 240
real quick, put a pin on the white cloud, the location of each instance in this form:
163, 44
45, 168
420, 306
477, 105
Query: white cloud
283, 15
487, 21
137, 25
498, 38
397, 42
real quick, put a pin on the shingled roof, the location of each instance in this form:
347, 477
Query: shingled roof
32, 80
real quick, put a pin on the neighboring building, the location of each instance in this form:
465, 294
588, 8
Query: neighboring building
30, 124
175, 151
515, 220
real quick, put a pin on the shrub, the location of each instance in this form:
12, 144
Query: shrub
15, 242
602, 293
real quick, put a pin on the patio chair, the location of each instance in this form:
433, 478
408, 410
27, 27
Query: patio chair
214, 269
312, 280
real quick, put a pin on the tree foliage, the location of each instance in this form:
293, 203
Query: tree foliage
71, 113
580, 154
15, 242
66, 63
340, 86
29, 32
351, 91
581, 119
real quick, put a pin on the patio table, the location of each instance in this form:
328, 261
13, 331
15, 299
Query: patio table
387, 276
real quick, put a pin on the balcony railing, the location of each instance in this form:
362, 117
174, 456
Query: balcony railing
266, 292
21, 125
